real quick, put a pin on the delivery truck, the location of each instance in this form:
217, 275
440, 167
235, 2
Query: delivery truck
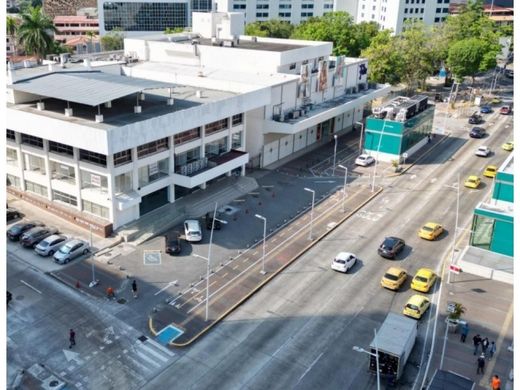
394, 340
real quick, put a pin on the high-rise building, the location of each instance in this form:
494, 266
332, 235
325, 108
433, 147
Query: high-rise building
54, 8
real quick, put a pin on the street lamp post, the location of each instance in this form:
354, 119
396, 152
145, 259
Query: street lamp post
376, 355
263, 244
360, 136
335, 149
344, 185
312, 210
377, 159
456, 227
94, 282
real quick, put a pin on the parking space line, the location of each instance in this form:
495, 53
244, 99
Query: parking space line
246, 259
31, 287
226, 274
235, 267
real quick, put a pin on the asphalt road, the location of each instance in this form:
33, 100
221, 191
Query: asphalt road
298, 332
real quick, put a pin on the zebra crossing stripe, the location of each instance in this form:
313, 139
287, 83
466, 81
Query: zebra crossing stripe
146, 358
160, 347
154, 353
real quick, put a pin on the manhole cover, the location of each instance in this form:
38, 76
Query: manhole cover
478, 290
142, 338
121, 301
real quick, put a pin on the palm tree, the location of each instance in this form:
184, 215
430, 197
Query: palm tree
34, 32
11, 25
91, 35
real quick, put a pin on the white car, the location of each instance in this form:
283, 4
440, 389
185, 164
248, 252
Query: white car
192, 230
343, 262
482, 151
365, 160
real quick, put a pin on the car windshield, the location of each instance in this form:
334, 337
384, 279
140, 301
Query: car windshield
391, 277
389, 243
43, 244
65, 249
421, 279
340, 261
427, 229
413, 307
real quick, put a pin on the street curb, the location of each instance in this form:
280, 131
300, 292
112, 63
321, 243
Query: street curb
71, 285
256, 289
421, 156
108, 248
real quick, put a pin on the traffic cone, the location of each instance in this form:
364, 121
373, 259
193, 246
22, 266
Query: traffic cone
77, 284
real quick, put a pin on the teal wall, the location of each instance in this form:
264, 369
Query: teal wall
504, 189
493, 231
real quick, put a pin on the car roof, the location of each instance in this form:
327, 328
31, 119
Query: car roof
424, 272
192, 223
54, 236
472, 177
417, 299
492, 167
343, 255
364, 155
74, 241
432, 224
395, 271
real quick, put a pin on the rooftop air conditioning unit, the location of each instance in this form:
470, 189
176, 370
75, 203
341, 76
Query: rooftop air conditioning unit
296, 114
254, 39
229, 43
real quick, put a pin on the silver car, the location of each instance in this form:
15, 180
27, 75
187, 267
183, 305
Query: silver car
364, 160
50, 245
71, 250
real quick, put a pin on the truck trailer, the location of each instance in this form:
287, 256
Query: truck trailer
395, 340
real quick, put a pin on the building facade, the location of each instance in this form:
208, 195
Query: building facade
108, 142
54, 8
74, 26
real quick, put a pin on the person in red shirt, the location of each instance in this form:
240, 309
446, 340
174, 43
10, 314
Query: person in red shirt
495, 383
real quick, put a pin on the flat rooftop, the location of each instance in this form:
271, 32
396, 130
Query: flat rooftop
508, 165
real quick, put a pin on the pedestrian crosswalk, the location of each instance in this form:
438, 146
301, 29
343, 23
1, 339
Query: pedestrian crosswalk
148, 355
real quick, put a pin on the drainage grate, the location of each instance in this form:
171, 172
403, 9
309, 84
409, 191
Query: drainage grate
142, 338
121, 301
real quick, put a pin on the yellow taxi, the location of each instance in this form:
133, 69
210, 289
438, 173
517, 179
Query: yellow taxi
416, 306
431, 231
423, 280
490, 171
393, 278
496, 100
508, 146
472, 181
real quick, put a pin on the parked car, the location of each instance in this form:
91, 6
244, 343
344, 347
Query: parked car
438, 98
482, 151
365, 160
70, 251
174, 246
393, 278
477, 132
423, 280
472, 182
390, 247
475, 119
33, 236
508, 146
496, 100
490, 171
12, 213
15, 231
192, 230
50, 245
209, 222
9, 297
430, 231
416, 306
343, 261
486, 110
505, 110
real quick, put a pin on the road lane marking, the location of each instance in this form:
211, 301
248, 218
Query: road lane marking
165, 287
224, 275
310, 367
31, 287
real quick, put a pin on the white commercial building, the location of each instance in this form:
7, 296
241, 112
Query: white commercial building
104, 143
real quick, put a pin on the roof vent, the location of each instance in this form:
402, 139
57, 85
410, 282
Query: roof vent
198, 93
254, 39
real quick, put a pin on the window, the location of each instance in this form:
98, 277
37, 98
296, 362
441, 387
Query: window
446, 1
64, 198
152, 147
34, 163
94, 181
63, 172
239, 6
363, 6
307, 6
93, 157
153, 172
373, 8
292, 66
373, 16
186, 136
285, 6
422, 10
13, 181
362, 15
123, 183
262, 6
36, 188
445, 10
437, 20
121, 158
187, 157
262, 14
10, 135
238, 119
482, 232
95, 209
407, 1
33, 141
12, 156
216, 126
236, 140
439, 1
284, 14
216, 148
328, 6
417, 10
438, 10
306, 14
56, 147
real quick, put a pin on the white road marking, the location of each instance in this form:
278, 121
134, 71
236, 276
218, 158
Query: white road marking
160, 347
310, 367
154, 353
31, 287
145, 357
165, 287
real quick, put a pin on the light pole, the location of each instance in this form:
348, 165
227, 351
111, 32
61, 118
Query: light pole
377, 159
376, 355
344, 185
312, 210
94, 282
335, 149
456, 225
360, 136
263, 245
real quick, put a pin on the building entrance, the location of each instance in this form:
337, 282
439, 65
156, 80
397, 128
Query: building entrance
153, 201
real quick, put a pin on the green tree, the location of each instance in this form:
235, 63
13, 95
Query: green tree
385, 64
34, 32
114, 40
469, 56
271, 28
91, 35
173, 30
11, 27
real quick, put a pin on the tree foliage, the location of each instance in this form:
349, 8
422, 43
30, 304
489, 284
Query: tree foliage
34, 32
114, 40
271, 28
469, 56
385, 63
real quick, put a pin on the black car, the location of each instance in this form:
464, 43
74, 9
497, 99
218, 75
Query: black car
390, 247
12, 214
174, 246
475, 119
15, 231
9, 297
477, 132
32, 237
209, 222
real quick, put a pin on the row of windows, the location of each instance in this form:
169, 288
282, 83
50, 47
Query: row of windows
152, 147
33, 141
417, 10
441, 10
10, 135
123, 157
443, 1
438, 20
186, 136
416, 2
216, 126
36, 188
60, 148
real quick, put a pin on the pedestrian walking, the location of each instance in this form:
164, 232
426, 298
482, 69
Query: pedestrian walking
476, 343
495, 383
485, 345
134, 288
464, 332
492, 349
481, 362
72, 338
110, 293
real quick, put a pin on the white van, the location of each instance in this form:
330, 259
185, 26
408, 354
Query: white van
192, 230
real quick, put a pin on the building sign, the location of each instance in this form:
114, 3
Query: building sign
153, 169
95, 180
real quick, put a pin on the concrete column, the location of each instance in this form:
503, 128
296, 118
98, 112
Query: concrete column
47, 168
135, 171
171, 170
77, 172
111, 186
19, 154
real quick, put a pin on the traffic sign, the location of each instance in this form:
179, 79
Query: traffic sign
455, 269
